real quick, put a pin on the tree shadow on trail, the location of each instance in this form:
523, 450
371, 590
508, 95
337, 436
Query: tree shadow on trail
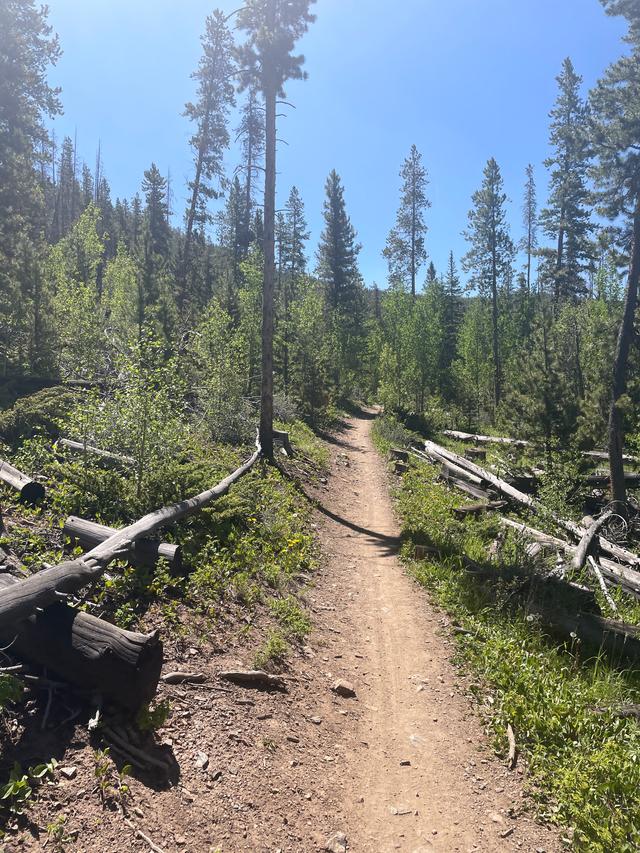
388, 545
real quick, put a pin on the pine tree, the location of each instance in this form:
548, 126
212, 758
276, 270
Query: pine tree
337, 269
452, 318
529, 242
405, 250
490, 258
154, 187
211, 137
614, 104
293, 262
273, 27
251, 136
566, 218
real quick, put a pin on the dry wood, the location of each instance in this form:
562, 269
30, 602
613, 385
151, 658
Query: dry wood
510, 491
81, 447
484, 439
43, 588
30, 490
254, 678
604, 480
145, 552
513, 751
476, 453
582, 550
88, 652
397, 453
596, 571
144, 837
400, 468
604, 457
282, 438
478, 508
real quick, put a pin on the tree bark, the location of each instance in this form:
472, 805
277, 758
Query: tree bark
619, 380
80, 447
144, 552
266, 392
31, 491
87, 652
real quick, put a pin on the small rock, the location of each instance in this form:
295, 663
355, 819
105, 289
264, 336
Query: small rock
496, 818
405, 763
293, 739
180, 840
69, 772
337, 843
202, 761
316, 720
344, 689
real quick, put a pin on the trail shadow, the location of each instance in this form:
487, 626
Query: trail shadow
387, 545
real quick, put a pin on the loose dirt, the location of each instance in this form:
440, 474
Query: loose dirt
405, 765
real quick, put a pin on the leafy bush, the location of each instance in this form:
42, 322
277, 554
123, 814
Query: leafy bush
38, 413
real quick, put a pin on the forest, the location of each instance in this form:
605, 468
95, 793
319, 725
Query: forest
148, 351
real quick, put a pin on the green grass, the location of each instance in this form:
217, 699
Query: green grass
273, 652
584, 767
293, 620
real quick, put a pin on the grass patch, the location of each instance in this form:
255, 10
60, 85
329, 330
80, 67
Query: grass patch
584, 766
273, 652
293, 620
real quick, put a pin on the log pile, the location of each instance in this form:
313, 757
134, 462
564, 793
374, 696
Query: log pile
31, 492
610, 562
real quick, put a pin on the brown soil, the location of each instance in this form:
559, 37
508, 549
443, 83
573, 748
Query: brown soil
404, 766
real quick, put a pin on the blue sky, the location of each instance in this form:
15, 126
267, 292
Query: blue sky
462, 79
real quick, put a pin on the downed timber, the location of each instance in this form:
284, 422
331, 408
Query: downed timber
123, 666
255, 678
145, 552
595, 568
483, 439
603, 480
623, 576
400, 468
585, 543
81, 447
510, 491
604, 457
31, 491
43, 589
397, 453
477, 454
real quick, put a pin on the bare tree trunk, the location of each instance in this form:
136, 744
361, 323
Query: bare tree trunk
619, 384
266, 395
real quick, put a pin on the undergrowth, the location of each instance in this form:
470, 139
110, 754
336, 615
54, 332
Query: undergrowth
561, 699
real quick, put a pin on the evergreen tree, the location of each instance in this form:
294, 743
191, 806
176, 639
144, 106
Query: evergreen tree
452, 318
490, 257
293, 262
614, 104
566, 218
251, 136
154, 187
337, 268
405, 250
209, 114
529, 242
273, 27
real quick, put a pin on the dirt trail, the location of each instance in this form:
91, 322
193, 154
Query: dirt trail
419, 774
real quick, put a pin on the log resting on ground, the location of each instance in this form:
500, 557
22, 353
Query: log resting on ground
42, 589
87, 652
79, 447
31, 491
145, 552
447, 456
484, 439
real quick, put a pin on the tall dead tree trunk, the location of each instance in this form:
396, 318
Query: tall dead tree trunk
266, 392
619, 383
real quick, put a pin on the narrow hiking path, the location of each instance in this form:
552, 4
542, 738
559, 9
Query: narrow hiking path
419, 774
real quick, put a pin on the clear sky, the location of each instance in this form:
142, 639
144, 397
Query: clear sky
462, 79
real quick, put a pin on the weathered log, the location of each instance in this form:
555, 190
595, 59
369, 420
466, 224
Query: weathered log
478, 508
87, 652
400, 468
42, 589
81, 447
282, 438
31, 491
484, 439
510, 491
145, 552
463, 486
604, 457
595, 568
585, 543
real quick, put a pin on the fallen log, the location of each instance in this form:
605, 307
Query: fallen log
463, 486
398, 454
400, 468
87, 652
81, 447
42, 589
144, 552
585, 543
510, 491
484, 439
603, 480
31, 491
475, 453
604, 457
595, 568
